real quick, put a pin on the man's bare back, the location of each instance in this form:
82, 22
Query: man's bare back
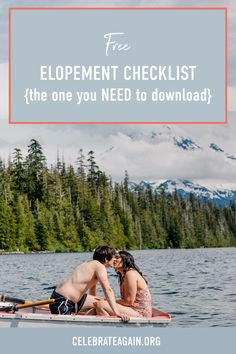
83, 278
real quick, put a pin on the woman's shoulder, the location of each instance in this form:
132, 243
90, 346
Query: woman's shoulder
134, 275
131, 273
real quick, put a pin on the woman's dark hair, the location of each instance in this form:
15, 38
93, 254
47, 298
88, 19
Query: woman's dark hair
103, 253
128, 263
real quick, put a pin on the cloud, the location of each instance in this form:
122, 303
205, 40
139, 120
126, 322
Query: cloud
162, 160
120, 148
232, 98
3, 90
133, 149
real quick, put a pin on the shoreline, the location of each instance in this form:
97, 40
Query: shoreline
31, 252
147, 249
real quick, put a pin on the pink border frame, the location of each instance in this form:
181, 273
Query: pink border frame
118, 8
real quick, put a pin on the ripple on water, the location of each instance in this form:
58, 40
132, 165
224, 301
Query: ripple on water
197, 287
211, 288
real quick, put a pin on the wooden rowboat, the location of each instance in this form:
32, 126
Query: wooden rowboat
41, 317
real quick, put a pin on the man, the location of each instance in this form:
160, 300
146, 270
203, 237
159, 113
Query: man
70, 295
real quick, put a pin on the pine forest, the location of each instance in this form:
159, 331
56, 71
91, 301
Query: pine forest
65, 208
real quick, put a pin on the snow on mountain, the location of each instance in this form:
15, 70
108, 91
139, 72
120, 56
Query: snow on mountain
164, 152
174, 136
185, 188
231, 157
166, 134
215, 147
163, 134
218, 149
185, 143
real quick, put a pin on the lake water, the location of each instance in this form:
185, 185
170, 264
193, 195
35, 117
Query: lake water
197, 287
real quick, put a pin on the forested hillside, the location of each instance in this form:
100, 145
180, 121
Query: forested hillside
66, 208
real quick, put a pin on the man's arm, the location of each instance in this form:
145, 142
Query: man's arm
101, 274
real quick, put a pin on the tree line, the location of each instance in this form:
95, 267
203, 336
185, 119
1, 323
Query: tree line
65, 208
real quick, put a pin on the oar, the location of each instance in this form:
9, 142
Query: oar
12, 299
23, 306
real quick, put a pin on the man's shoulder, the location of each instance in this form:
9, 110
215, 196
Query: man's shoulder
92, 265
98, 267
89, 266
95, 264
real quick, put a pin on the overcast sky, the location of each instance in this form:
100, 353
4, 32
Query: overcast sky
119, 147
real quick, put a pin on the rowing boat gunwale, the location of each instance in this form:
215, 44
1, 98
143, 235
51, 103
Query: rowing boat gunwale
39, 315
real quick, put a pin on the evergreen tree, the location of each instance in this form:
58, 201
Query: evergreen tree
36, 169
7, 227
18, 171
67, 209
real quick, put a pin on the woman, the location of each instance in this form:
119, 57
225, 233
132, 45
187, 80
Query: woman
135, 296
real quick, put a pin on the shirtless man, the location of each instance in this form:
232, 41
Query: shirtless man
70, 295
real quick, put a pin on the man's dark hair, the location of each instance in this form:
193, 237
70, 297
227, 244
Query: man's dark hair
103, 253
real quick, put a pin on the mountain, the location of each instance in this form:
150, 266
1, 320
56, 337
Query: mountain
185, 143
175, 137
166, 152
185, 188
215, 147
219, 149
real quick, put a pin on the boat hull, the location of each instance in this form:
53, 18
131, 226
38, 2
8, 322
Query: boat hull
41, 318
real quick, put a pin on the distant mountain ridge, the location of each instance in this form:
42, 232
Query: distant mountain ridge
185, 143
171, 151
184, 188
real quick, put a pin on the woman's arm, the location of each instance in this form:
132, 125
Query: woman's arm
123, 302
130, 287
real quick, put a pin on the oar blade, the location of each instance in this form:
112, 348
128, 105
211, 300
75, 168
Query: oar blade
12, 299
7, 308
